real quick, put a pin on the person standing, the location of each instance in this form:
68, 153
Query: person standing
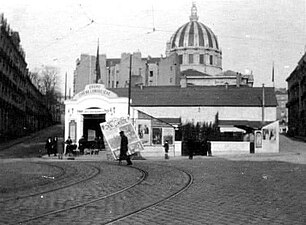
82, 145
124, 149
68, 142
48, 146
166, 146
54, 146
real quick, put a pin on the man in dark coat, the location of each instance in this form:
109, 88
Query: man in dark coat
124, 149
166, 146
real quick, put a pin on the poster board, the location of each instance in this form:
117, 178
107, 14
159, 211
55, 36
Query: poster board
168, 135
270, 139
144, 131
111, 131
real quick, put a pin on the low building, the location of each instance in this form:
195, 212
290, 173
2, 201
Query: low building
158, 111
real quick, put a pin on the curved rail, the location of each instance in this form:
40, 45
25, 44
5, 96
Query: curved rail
186, 186
144, 177
98, 171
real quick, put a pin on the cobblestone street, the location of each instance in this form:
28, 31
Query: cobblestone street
249, 189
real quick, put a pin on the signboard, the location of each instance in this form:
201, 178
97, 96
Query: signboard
111, 131
95, 89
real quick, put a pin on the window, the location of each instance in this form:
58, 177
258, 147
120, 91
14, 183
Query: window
180, 59
211, 60
157, 136
170, 80
201, 59
151, 73
190, 57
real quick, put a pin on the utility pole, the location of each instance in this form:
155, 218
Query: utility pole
66, 86
130, 79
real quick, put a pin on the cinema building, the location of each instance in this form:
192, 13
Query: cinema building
157, 112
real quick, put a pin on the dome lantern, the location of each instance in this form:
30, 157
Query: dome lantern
194, 16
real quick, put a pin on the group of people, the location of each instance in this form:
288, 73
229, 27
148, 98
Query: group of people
52, 147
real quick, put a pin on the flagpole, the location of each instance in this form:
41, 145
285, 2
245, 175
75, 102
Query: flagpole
130, 78
263, 103
273, 74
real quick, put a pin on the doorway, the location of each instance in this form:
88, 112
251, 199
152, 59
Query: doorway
91, 128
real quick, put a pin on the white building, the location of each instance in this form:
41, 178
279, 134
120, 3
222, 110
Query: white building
156, 111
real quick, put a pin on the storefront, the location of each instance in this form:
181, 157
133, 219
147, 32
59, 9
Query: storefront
90, 107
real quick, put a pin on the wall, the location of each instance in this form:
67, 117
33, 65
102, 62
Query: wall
200, 114
227, 147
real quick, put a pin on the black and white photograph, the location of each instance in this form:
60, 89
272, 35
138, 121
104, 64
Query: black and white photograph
153, 112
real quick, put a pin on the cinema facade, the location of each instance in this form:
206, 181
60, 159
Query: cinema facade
158, 111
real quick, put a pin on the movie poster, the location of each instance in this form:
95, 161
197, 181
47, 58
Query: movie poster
157, 136
168, 134
111, 131
258, 139
144, 131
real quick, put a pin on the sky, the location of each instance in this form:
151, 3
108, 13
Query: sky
253, 34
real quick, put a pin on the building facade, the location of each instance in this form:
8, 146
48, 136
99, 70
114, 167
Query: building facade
281, 109
158, 111
22, 109
297, 99
193, 54
197, 46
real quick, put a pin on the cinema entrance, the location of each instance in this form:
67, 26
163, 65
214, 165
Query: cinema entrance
88, 108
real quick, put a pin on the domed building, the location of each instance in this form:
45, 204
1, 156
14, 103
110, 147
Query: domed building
197, 46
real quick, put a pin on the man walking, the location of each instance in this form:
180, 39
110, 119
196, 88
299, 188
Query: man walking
124, 149
166, 146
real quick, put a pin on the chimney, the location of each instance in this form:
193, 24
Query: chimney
183, 82
238, 79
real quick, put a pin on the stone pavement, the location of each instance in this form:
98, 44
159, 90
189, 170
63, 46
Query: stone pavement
240, 189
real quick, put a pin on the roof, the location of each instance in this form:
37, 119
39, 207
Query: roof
191, 72
162, 96
244, 124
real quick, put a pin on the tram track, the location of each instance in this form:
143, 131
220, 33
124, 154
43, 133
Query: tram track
143, 177
59, 178
141, 180
185, 187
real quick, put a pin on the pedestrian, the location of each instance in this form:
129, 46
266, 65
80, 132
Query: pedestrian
60, 149
82, 143
166, 146
190, 148
54, 146
48, 146
124, 149
68, 142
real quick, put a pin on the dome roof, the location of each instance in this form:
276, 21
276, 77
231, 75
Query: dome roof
194, 34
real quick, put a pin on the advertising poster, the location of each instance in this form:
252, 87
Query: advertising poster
168, 134
157, 136
144, 131
258, 139
111, 131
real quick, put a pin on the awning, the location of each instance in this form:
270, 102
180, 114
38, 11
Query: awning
247, 125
